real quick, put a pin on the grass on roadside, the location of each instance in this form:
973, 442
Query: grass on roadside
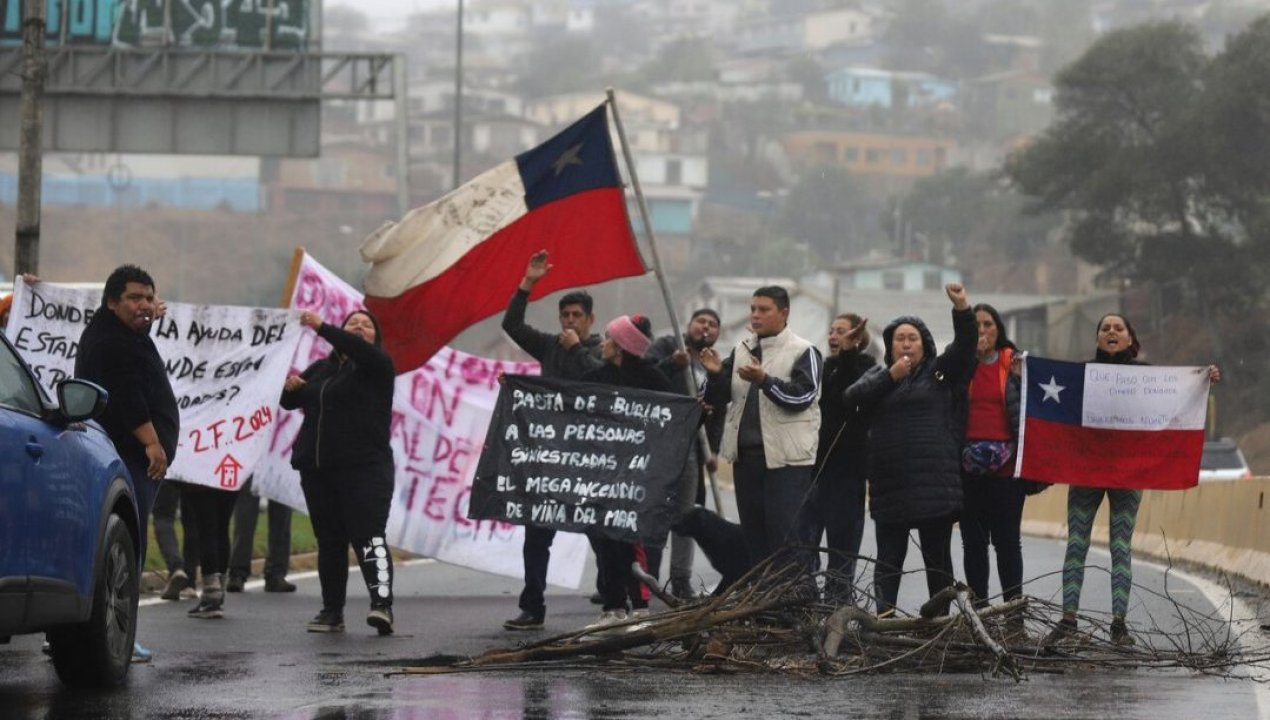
302, 540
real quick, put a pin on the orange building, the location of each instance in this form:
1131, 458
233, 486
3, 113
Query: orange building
895, 156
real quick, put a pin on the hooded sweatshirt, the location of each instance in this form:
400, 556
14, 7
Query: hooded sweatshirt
347, 404
915, 429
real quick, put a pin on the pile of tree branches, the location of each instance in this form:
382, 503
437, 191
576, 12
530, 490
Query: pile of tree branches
778, 620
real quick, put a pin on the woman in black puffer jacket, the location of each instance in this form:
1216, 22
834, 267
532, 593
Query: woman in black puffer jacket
915, 438
346, 464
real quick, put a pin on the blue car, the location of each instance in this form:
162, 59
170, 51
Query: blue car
69, 541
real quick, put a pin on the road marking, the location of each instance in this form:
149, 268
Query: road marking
1243, 620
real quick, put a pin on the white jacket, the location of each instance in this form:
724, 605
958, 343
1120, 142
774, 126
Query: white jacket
790, 436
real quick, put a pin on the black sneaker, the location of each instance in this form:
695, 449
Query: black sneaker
1064, 633
524, 621
278, 585
380, 618
235, 583
207, 610
596, 598
1120, 633
327, 621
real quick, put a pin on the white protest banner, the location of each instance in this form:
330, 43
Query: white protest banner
440, 415
226, 365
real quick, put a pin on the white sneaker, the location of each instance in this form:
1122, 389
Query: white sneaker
607, 618
643, 614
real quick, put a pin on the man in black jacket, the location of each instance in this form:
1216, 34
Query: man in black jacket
702, 332
141, 418
568, 354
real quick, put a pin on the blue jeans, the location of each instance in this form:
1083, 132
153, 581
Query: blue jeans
145, 490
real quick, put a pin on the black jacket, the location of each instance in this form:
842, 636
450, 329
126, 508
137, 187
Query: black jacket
347, 404
915, 430
848, 446
642, 375
544, 347
660, 353
127, 364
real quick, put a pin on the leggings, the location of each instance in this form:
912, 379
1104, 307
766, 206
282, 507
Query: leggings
1082, 505
349, 506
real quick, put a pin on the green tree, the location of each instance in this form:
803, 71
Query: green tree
1126, 159
1236, 125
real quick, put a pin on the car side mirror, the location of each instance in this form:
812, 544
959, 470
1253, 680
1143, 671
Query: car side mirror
80, 400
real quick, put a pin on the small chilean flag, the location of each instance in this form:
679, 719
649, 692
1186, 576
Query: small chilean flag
456, 261
1113, 426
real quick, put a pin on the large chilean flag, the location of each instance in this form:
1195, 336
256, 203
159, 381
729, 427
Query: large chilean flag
456, 261
1113, 426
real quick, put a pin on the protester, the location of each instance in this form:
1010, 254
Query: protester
626, 339
180, 557
993, 511
567, 354
1117, 344
210, 508
141, 418
769, 384
838, 505
702, 332
346, 464
914, 446
278, 555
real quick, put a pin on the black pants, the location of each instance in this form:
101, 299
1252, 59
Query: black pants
838, 510
181, 555
616, 581
992, 513
935, 537
246, 514
211, 510
536, 553
349, 506
774, 506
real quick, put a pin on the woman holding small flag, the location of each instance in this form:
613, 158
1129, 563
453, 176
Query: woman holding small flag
1117, 344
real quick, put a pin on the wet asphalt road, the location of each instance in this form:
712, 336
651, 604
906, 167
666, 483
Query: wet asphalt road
259, 662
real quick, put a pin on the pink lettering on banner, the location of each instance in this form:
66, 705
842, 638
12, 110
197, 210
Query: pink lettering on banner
454, 452
285, 433
441, 497
480, 372
427, 396
239, 428
312, 293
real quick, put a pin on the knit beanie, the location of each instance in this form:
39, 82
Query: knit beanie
628, 335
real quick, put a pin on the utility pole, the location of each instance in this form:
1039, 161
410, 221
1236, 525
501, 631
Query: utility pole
26, 251
458, 95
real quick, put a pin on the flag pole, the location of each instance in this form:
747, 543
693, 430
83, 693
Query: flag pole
702, 439
297, 257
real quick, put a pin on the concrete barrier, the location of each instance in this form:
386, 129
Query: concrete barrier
1223, 525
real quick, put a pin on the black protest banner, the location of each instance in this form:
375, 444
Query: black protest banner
584, 457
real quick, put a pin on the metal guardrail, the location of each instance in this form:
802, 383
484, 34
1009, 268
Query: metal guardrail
187, 73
